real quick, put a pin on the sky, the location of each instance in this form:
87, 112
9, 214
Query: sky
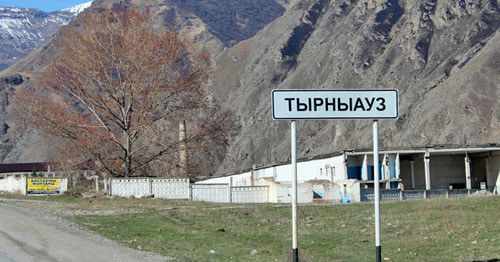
45, 5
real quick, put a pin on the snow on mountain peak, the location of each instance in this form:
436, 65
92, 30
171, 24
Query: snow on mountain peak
78, 8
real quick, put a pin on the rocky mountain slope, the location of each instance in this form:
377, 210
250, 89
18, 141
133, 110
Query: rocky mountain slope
442, 56
22, 30
212, 24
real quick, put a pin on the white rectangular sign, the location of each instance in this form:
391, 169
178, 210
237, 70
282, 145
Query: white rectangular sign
335, 104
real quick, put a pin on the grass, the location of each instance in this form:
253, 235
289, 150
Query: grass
432, 230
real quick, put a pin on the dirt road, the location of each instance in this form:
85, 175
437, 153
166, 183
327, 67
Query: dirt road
26, 235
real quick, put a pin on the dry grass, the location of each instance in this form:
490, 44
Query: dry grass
432, 230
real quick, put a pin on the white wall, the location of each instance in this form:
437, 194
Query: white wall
308, 170
13, 185
159, 187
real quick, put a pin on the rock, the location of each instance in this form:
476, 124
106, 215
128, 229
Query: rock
253, 253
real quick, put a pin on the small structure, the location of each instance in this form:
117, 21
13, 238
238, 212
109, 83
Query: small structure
32, 178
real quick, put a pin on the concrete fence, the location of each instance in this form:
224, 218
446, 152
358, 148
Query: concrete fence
182, 189
219, 193
223, 193
250, 194
20, 184
367, 195
157, 187
13, 184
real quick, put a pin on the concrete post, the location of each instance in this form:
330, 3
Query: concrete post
398, 168
110, 187
105, 185
387, 174
96, 183
364, 168
468, 181
427, 170
229, 190
182, 150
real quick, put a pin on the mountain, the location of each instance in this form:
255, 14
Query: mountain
211, 24
75, 10
442, 56
22, 30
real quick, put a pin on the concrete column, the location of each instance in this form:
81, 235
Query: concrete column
387, 174
412, 173
427, 170
364, 168
398, 166
468, 181
182, 150
96, 184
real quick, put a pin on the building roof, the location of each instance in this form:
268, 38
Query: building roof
24, 167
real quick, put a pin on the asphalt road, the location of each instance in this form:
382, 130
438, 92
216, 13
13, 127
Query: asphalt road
26, 235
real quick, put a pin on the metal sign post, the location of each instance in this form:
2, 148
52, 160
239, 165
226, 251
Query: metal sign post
293, 134
378, 249
335, 104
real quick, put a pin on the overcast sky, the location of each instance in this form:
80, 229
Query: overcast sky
45, 5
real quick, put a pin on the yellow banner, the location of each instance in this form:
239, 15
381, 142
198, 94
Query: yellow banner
43, 185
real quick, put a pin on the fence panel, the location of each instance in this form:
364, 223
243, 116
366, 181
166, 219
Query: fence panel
170, 188
390, 195
455, 193
218, 193
413, 194
437, 193
250, 194
367, 195
128, 187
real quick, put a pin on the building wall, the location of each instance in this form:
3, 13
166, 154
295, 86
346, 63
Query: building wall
320, 169
405, 175
478, 171
446, 170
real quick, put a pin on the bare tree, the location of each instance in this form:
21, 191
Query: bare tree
117, 91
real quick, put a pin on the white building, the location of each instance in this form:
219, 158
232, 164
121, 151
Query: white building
420, 168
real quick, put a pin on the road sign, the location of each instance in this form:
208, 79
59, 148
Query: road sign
335, 104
